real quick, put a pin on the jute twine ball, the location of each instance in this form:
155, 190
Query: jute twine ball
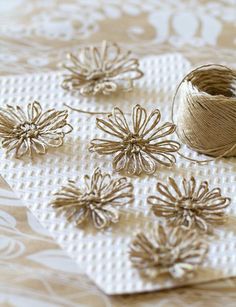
206, 111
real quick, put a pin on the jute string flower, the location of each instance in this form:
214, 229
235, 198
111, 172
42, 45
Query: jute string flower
189, 205
175, 252
103, 70
97, 201
138, 147
33, 131
206, 115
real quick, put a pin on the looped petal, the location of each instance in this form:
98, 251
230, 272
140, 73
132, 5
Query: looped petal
107, 127
120, 161
151, 124
161, 132
139, 117
120, 120
34, 110
105, 147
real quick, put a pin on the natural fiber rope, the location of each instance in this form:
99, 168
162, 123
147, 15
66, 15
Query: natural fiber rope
206, 116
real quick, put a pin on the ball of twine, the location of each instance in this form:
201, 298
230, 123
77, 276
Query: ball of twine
206, 114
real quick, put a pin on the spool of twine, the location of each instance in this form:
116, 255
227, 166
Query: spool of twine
206, 114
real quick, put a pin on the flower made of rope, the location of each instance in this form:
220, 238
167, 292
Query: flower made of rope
138, 147
103, 70
190, 205
176, 252
97, 201
33, 131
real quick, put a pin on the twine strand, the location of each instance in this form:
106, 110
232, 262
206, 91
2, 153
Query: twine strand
86, 112
90, 112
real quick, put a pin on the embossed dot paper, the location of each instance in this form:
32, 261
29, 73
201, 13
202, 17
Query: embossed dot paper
103, 255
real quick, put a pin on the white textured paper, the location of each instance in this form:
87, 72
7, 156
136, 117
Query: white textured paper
103, 255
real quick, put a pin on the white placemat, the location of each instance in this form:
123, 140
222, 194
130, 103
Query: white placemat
103, 255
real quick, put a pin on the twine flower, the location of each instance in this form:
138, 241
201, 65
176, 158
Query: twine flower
33, 131
103, 70
97, 201
176, 252
190, 205
138, 148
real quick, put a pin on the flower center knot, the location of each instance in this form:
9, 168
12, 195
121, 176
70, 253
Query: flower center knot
165, 256
26, 130
92, 200
134, 143
186, 203
96, 75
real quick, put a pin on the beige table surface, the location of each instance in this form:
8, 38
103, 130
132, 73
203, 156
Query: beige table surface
35, 36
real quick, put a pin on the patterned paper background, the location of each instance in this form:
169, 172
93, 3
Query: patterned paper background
35, 35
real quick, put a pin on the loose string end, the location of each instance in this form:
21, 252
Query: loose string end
85, 112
